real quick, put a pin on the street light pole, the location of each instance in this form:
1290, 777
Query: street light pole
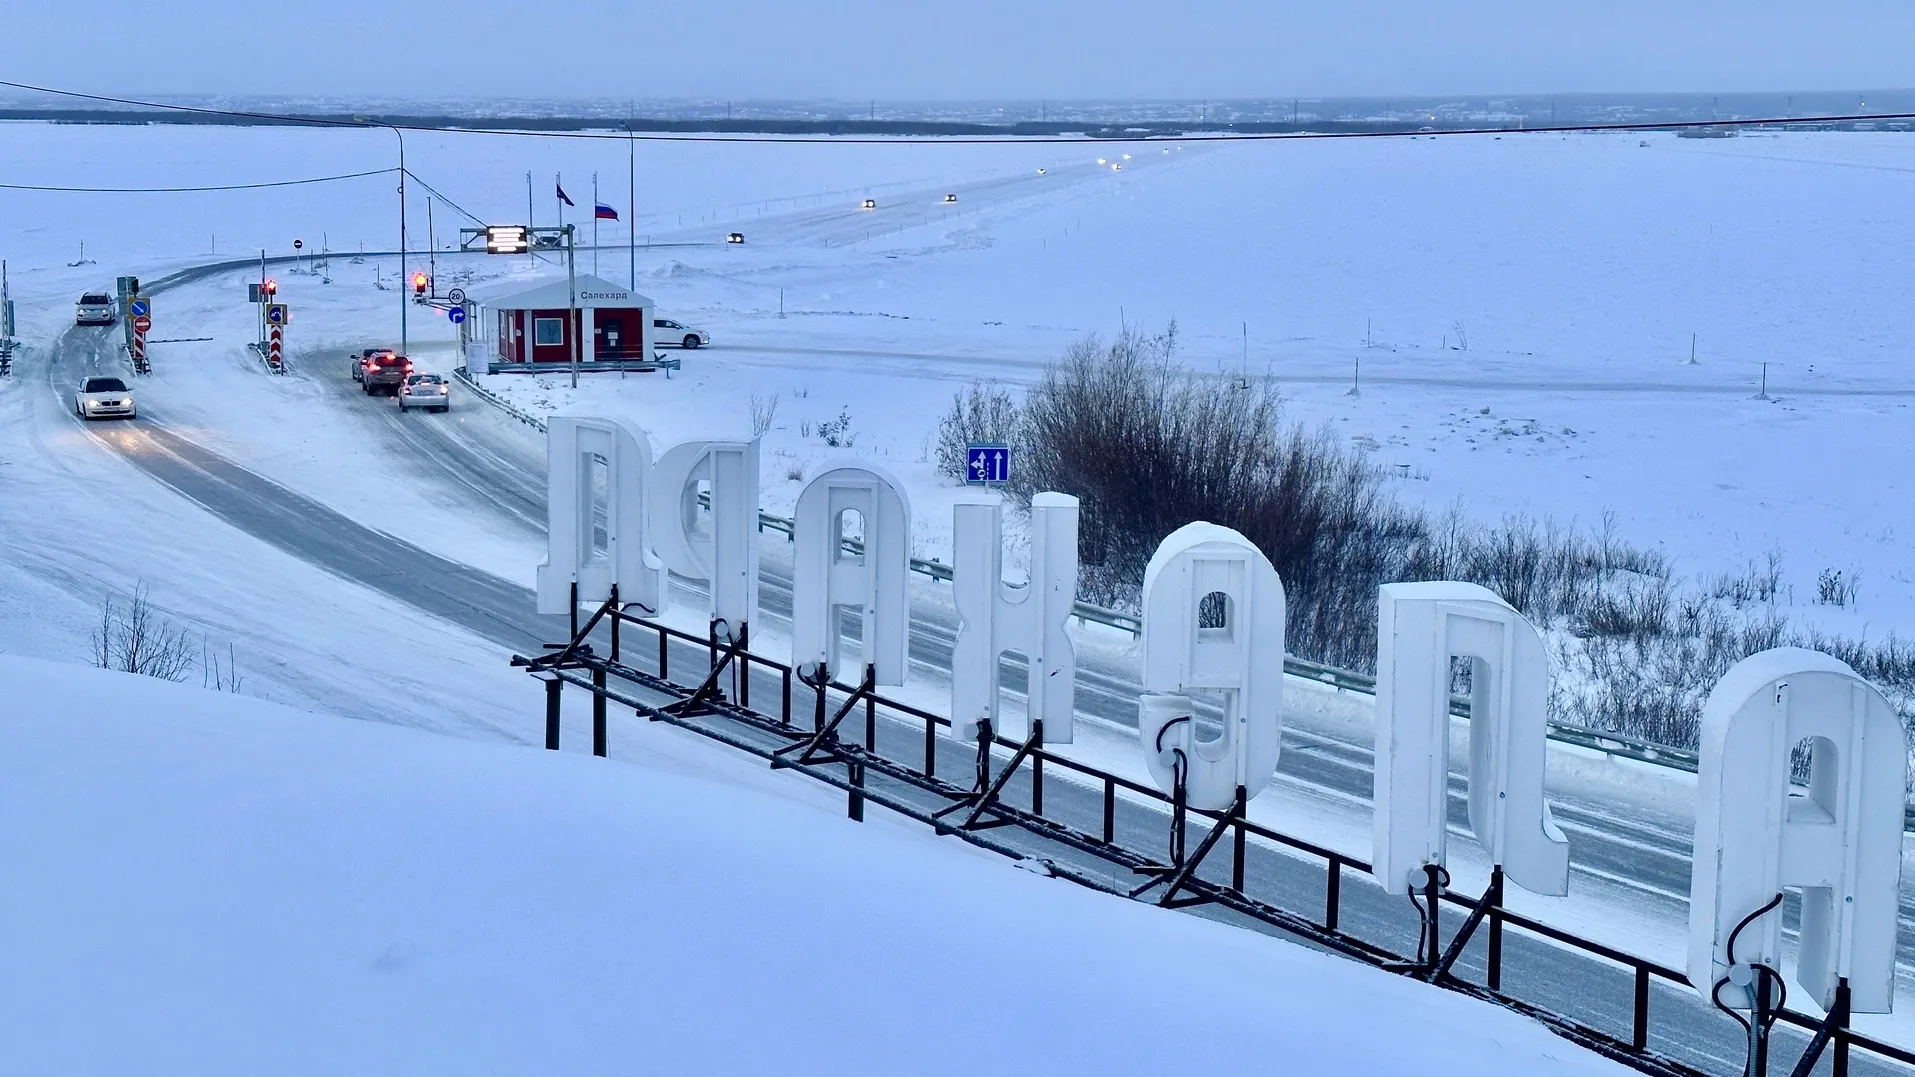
571, 287
403, 339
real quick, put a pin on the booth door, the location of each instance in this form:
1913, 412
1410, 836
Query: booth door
610, 341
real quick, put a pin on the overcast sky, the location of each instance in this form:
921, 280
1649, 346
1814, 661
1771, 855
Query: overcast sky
925, 49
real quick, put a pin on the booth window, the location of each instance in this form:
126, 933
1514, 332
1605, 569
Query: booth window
548, 330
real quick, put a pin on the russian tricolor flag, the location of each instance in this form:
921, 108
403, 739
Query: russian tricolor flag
603, 212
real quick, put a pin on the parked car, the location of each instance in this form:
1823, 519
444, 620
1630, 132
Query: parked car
665, 331
94, 308
385, 372
104, 398
429, 391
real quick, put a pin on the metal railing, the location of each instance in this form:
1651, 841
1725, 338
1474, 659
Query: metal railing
1092, 835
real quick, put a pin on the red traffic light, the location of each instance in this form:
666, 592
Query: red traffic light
271, 287
419, 284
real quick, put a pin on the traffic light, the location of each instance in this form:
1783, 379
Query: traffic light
271, 287
419, 283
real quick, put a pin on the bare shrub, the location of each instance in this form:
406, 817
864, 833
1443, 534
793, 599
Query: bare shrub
763, 410
220, 677
1835, 588
837, 432
134, 637
984, 413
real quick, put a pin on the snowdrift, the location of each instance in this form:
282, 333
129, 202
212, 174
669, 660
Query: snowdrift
203, 884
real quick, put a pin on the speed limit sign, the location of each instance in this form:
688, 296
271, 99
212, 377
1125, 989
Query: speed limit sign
456, 295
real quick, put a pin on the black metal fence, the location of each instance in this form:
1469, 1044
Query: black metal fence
1105, 831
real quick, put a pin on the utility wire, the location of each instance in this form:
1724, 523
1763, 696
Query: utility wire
433, 191
1261, 136
188, 190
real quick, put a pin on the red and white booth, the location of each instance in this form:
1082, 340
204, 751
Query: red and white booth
520, 326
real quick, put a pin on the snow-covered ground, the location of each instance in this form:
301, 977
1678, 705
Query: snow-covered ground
1576, 268
224, 886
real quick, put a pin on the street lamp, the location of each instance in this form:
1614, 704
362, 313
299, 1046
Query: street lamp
404, 341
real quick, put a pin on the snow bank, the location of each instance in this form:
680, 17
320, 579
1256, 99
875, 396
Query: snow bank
205, 884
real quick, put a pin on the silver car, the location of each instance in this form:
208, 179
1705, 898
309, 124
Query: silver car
103, 398
94, 308
429, 391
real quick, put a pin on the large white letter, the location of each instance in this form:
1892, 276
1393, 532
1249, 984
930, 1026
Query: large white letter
724, 554
574, 448
1419, 627
1839, 840
994, 617
1231, 643
826, 578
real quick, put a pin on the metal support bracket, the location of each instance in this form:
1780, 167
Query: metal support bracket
1182, 867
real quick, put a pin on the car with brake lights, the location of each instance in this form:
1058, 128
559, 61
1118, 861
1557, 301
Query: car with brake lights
104, 398
384, 372
429, 391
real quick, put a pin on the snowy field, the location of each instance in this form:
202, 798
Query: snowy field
1522, 308
229, 887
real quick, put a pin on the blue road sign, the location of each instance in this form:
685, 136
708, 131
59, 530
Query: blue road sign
276, 314
457, 314
987, 463
139, 307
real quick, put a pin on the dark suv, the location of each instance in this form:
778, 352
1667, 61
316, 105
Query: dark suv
384, 372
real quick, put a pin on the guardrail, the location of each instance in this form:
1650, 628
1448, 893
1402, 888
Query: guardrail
1345, 680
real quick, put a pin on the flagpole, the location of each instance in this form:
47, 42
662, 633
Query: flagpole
594, 224
530, 247
631, 204
558, 184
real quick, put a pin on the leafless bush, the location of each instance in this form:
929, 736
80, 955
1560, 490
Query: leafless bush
1149, 447
220, 677
984, 413
1835, 588
133, 637
837, 432
763, 410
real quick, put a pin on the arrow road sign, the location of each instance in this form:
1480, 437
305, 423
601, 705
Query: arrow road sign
276, 314
457, 314
457, 295
990, 464
142, 323
140, 306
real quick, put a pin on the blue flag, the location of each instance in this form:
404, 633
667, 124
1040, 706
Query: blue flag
562, 197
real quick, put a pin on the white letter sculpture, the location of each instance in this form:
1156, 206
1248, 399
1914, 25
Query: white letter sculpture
1839, 840
994, 617
1241, 657
1419, 627
724, 555
826, 578
573, 447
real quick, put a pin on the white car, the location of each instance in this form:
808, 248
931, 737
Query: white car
429, 391
103, 398
666, 331
94, 308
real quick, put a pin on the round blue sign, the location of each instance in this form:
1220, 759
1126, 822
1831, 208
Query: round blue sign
140, 307
457, 314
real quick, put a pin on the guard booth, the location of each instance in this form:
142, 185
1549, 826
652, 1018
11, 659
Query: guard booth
521, 326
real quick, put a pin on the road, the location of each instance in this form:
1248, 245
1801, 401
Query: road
501, 465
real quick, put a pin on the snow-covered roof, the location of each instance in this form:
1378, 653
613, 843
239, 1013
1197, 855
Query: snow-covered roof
551, 292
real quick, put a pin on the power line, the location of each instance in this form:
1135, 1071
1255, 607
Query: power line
189, 190
986, 140
431, 190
